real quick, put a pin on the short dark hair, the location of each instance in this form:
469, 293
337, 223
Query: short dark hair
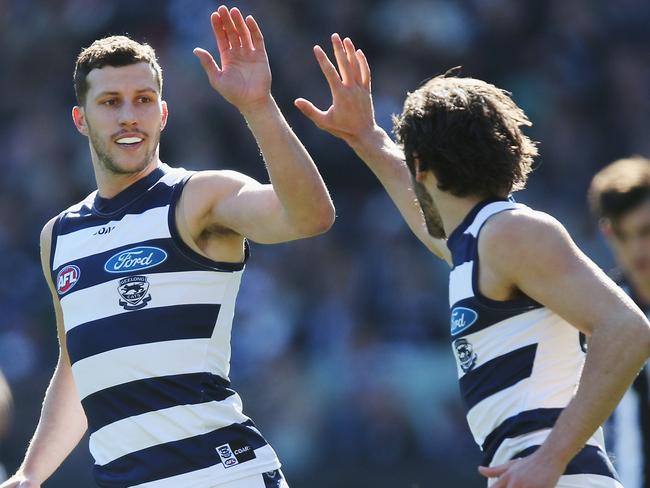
620, 187
112, 51
468, 132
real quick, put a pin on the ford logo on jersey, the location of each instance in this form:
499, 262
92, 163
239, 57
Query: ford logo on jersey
135, 259
461, 319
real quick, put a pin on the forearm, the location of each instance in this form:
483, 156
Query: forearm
386, 160
614, 358
294, 176
61, 426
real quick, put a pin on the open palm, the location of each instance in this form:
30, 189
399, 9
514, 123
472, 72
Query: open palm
244, 77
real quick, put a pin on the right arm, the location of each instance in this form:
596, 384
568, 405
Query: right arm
63, 421
351, 118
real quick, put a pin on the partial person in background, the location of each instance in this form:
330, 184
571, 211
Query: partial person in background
619, 197
522, 295
5, 416
145, 271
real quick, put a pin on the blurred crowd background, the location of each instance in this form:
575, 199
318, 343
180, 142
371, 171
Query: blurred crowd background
339, 342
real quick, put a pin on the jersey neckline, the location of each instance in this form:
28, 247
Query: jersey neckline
111, 205
469, 219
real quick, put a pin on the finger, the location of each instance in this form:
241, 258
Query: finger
364, 67
352, 59
256, 32
314, 114
229, 27
209, 65
219, 33
328, 69
242, 28
341, 59
495, 471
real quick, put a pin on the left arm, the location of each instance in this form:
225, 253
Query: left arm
296, 204
535, 253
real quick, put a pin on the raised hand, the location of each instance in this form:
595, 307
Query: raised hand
351, 114
244, 77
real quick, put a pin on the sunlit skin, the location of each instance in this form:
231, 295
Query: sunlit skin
122, 104
629, 237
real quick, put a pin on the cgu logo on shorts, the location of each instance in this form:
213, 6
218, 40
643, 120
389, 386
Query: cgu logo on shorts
135, 259
461, 319
67, 278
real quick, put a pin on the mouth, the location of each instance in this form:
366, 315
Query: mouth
130, 142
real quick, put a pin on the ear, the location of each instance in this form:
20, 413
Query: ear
165, 114
420, 172
79, 119
605, 226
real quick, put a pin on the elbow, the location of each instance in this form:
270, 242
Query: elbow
319, 222
324, 220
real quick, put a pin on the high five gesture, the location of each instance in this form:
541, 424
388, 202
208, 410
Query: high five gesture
244, 77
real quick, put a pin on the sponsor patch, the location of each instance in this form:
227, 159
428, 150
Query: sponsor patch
133, 290
465, 353
135, 259
461, 319
234, 453
67, 278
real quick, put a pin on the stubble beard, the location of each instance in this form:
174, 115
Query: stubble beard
430, 211
107, 162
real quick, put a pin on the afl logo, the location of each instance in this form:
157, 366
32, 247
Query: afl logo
67, 278
135, 259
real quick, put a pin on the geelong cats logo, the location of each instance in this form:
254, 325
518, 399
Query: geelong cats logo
466, 355
133, 289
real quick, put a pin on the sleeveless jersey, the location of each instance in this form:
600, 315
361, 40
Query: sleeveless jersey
518, 362
147, 327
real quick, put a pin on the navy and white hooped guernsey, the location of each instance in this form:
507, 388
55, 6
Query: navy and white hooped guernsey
147, 324
518, 363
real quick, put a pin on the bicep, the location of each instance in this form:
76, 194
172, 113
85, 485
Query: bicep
231, 200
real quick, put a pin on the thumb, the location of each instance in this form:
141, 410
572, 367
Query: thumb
495, 471
209, 65
310, 111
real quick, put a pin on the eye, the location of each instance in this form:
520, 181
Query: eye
110, 102
144, 99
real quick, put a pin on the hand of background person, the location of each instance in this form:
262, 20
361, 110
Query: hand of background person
244, 77
351, 115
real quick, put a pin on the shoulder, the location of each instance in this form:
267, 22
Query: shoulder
46, 234
211, 180
523, 236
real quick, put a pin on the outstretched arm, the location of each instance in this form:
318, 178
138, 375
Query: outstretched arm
351, 118
63, 421
296, 204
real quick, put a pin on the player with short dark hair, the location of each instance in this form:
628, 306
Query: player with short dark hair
619, 197
145, 271
521, 293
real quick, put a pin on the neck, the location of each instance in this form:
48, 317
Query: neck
642, 291
110, 184
452, 209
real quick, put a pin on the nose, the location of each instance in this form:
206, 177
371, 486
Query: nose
127, 115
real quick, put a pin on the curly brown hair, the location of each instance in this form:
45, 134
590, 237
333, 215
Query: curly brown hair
620, 187
468, 132
112, 51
